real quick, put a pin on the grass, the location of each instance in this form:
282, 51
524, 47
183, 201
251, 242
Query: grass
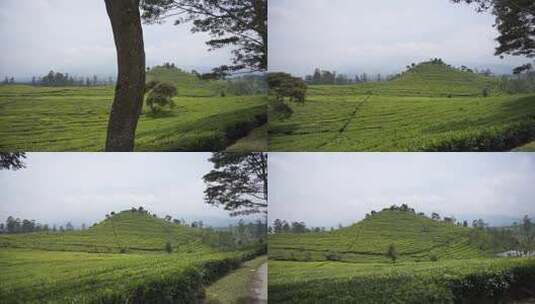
431, 108
75, 119
438, 262
530, 147
235, 288
453, 281
186, 83
416, 238
120, 260
256, 141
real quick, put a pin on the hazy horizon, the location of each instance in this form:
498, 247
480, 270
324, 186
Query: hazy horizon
327, 189
56, 188
379, 37
75, 37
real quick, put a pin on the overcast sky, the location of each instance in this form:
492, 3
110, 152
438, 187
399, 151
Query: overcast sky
324, 189
355, 36
83, 187
75, 36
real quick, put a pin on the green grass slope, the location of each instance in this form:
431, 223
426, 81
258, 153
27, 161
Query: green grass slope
130, 231
425, 79
76, 119
120, 260
437, 264
186, 83
432, 107
416, 238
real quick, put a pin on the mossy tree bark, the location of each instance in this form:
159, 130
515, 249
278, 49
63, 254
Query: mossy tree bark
128, 102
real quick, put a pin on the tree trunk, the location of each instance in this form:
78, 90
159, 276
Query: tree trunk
128, 102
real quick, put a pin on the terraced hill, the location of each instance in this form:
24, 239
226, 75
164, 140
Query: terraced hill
187, 84
424, 79
416, 238
123, 259
431, 107
126, 231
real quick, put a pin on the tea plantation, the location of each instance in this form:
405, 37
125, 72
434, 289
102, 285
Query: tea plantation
431, 107
437, 262
76, 118
120, 260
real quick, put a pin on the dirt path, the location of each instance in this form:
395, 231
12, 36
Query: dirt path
259, 288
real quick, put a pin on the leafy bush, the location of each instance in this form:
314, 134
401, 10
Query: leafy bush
161, 95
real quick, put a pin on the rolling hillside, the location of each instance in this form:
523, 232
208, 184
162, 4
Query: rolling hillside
130, 231
186, 83
424, 79
431, 107
123, 259
416, 237
437, 263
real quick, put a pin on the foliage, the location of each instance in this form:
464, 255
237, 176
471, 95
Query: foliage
83, 267
240, 24
454, 281
514, 22
75, 119
283, 85
392, 253
12, 160
411, 113
416, 238
238, 182
160, 95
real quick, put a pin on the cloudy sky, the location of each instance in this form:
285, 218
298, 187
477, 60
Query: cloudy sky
324, 189
75, 36
83, 187
355, 36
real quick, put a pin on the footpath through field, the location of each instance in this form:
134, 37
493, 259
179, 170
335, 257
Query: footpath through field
259, 290
347, 123
245, 285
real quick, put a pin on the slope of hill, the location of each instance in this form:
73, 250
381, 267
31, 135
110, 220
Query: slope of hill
424, 79
431, 107
127, 230
123, 259
438, 263
187, 84
416, 238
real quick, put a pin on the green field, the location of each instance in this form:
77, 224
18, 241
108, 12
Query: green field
438, 262
120, 260
432, 107
76, 118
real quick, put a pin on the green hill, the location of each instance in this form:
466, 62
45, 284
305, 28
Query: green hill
416, 238
122, 259
127, 230
424, 79
187, 84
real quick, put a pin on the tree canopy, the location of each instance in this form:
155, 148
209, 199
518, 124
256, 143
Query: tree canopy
238, 182
515, 22
12, 160
241, 24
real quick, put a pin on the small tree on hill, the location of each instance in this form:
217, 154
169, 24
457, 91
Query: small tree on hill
392, 253
161, 95
168, 247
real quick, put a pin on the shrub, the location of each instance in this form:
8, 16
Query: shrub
168, 247
433, 258
161, 95
332, 256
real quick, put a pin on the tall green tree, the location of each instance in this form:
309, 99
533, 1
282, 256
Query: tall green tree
238, 182
125, 21
515, 22
241, 24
